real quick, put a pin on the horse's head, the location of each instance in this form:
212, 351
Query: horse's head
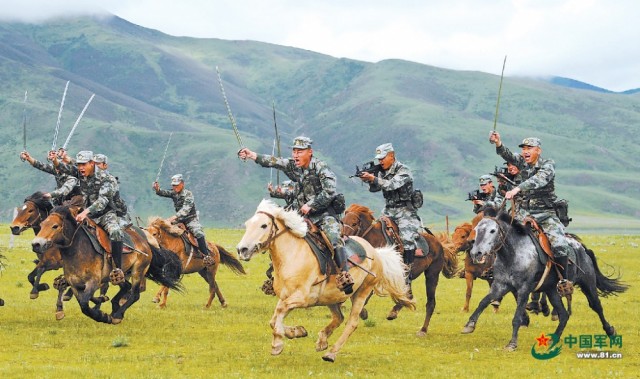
489, 238
356, 219
35, 209
269, 222
460, 237
57, 228
159, 228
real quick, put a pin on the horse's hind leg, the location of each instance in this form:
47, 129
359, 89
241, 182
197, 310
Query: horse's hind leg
431, 283
336, 319
563, 316
469, 278
133, 295
96, 314
60, 303
156, 298
357, 302
594, 302
364, 314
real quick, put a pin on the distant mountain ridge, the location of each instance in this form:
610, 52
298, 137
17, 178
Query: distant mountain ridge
572, 83
148, 84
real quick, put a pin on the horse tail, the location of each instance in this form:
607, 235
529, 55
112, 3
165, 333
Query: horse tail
606, 285
165, 268
229, 260
450, 268
392, 281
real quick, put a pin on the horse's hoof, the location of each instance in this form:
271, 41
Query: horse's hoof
469, 328
155, 300
421, 333
224, 305
276, 350
364, 314
59, 315
162, 306
1, 303
511, 347
554, 317
329, 357
321, 346
33, 296
464, 310
116, 321
392, 315
43, 287
66, 298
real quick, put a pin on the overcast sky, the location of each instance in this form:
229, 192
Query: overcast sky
594, 41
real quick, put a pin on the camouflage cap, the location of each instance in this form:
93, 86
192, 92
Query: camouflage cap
383, 150
531, 141
176, 179
484, 179
84, 156
302, 143
100, 158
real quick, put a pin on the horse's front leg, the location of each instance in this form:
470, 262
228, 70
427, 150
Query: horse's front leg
469, 278
34, 278
522, 296
84, 297
497, 290
277, 321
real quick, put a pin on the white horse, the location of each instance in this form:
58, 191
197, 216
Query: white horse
299, 283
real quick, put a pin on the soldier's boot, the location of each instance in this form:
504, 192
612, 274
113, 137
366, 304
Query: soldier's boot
423, 247
565, 285
267, 286
202, 245
344, 279
408, 257
117, 275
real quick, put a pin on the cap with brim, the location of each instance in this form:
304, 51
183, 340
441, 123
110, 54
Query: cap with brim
84, 156
301, 143
100, 158
383, 150
176, 179
531, 141
484, 179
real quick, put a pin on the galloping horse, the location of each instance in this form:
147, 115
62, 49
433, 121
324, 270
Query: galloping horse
170, 237
518, 269
299, 282
359, 221
87, 269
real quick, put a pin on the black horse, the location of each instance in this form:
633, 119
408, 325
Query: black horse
518, 269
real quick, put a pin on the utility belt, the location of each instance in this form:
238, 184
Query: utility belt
188, 218
399, 204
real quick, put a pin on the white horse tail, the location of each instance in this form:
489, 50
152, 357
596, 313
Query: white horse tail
392, 281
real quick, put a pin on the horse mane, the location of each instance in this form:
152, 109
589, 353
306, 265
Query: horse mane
65, 211
505, 217
357, 208
291, 219
40, 201
165, 226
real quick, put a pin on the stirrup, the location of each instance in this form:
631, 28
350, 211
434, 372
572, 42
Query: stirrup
208, 261
565, 287
116, 276
267, 287
344, 281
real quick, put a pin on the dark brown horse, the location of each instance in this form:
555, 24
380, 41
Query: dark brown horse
170, 237
86, 269
359, 221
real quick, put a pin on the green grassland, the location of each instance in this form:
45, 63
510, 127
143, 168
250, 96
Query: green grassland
186, 340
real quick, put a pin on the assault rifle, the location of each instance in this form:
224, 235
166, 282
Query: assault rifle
502, 173
477, 195
369, 167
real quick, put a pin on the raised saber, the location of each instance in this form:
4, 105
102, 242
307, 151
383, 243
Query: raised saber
273, 152
277, 140
231, 118
163, 157
75, 125
55, 134
495, 119
24, 123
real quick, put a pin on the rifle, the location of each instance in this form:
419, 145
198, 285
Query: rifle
369, 167
163, 157
477, 195
77, 122
502, 173
231, 118
55, 134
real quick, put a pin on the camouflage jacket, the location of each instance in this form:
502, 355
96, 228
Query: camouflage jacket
183, 202
396, 185
118, 202
491, 201
537, 188
315, 185
98, 191
66, 185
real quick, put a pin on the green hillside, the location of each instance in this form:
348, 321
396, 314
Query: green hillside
148, 84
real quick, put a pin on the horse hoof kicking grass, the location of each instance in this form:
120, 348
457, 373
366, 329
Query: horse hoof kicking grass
59, 315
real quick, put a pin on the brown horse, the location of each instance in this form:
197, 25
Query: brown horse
359, 221
87, 269
299, 282
170, 237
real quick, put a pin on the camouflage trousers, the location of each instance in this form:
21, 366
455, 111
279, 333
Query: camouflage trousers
195, 228
110, 222
331, 227
408, 222
554, 230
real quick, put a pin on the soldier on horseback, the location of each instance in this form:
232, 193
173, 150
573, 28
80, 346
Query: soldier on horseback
66, 185
537, 198
102, 164
185, 206
315, 196
99, 191
486, 187
396, 183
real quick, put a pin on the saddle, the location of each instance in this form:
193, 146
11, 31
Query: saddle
392, 236
539, 238
100, 239
324, 252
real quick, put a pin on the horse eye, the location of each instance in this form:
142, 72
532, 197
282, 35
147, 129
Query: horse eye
55, 227
492, 231
264, 226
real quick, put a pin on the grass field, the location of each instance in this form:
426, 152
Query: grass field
186, 341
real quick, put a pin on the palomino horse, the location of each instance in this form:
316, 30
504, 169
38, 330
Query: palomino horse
170, 237
299, 282
518, 269
359, 221
86, 269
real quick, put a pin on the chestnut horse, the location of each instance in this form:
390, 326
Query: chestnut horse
170, 237
86, 269
299, 282
359, 221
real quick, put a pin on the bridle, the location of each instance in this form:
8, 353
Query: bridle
62, 229
274, 232
357, 231
502, 236
38, 219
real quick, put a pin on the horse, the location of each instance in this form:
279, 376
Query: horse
518, 269
86, 269
298, 280
359, 221
170, 237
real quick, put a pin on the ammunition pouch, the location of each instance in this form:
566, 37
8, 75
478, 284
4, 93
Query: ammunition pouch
561, 207
338, 204
416, 199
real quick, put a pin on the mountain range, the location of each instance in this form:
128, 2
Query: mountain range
149, 84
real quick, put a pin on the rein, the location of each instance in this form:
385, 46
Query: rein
39, 218
358, 230
274, 233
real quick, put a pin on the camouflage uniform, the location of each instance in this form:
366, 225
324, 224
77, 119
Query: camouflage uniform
287, 191
489, 200
118, 202
98, 191
66, 185
537, 195
185, 206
